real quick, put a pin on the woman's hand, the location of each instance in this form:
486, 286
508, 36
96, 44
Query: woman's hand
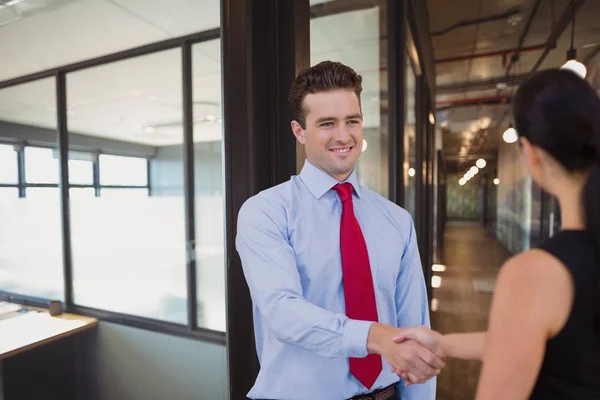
430, 339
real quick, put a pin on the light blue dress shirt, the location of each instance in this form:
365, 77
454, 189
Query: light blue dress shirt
288, 239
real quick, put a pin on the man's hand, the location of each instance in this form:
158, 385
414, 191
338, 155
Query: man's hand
425, 336
408, 356
432, 340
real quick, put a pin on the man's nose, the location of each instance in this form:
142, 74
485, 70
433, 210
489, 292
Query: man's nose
342, 134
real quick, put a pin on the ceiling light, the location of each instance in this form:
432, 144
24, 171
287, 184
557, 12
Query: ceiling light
365, 145
485, 122
462, 181
444, 124
411, 172
436, 281
572, 64
514, 20
438, 268
431, 118
510, 135
481, 163
474, 170
575, 66
496, 181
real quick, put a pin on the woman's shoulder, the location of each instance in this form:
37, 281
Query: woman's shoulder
540, 285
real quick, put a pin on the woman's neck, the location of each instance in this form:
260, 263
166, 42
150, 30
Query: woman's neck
571, 207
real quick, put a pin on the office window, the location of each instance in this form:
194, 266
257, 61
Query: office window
81, 172
123, 171
209, 190
30, 229
41, 165
8, 164
42, 193
410, 147
125, 194
359, 40
6, 194
129, 252
81, 193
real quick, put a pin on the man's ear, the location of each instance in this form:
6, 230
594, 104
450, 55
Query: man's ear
298, 132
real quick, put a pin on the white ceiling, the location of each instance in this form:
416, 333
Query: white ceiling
139, 100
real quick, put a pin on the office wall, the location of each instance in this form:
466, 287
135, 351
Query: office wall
124, 363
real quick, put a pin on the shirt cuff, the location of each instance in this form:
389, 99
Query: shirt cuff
355, 338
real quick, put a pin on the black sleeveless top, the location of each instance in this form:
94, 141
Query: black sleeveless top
571, 367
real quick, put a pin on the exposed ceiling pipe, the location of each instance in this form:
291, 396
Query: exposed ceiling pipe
557, 30
502, 53
491, 83
442, 105
515, 57
477, 21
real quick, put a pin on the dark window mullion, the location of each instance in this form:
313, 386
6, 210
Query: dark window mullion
96, 172
188, 157
63, 147
21, 170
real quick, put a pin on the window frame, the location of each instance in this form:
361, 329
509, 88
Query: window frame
185, 43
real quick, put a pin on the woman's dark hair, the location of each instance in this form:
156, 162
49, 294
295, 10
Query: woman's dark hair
559, 112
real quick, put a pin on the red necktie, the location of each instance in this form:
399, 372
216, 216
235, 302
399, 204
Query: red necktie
358, 283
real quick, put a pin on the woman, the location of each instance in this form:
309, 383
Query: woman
543, 340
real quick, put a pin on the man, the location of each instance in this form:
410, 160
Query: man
333, 268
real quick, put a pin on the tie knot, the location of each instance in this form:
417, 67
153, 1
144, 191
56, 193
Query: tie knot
344, 190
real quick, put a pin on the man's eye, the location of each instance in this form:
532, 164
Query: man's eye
326, 124
353, 121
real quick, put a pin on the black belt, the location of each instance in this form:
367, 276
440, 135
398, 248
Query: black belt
387, 393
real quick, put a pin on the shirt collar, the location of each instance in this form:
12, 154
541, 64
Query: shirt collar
320, 182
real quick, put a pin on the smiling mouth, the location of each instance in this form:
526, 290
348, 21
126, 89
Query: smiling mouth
341, 151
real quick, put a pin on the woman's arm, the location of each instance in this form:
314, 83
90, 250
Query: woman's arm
466, 346
532, 302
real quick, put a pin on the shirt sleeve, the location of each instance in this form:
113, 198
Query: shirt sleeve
413, 308
270, 270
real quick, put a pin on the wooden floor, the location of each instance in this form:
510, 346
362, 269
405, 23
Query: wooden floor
473, 258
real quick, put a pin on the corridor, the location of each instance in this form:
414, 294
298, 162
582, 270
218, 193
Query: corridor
472, 257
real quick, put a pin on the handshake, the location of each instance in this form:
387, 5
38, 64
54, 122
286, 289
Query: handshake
416, 354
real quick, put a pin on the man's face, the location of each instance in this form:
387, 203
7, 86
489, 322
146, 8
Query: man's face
334, 134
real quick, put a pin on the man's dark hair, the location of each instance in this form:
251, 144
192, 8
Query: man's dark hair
325, 76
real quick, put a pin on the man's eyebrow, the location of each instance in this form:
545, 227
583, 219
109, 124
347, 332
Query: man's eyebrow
325, 119
354, 116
